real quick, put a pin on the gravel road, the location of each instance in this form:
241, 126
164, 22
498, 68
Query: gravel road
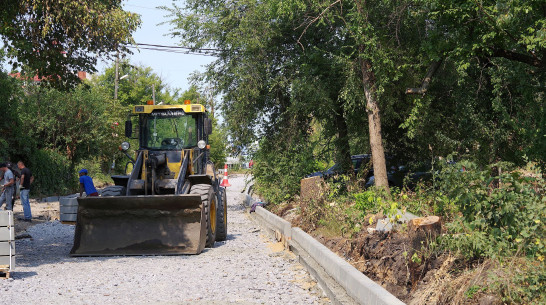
248, 268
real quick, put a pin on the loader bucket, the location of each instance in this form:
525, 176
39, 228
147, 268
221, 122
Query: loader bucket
139, 225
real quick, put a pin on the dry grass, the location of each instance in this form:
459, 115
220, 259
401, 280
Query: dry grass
449, 288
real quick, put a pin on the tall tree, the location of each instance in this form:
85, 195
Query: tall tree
57, 38
286, 64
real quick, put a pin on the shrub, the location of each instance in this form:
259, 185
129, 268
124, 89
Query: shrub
278, 169
501, 215
52, 173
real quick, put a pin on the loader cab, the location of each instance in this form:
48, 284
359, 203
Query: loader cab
168, 130
166, 135
168, 127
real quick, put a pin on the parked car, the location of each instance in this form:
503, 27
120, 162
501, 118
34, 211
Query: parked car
395, 173
357, 160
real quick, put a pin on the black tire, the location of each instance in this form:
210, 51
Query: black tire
208, 197
221, 219
114, 190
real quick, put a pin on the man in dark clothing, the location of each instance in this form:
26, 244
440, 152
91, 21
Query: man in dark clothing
24, 186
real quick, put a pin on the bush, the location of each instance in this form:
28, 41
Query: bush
52, 173
278, 169
501, 215
98, 169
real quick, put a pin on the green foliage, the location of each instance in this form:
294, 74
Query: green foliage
278, 169
73, 123
276, 61
52, 131
137, 87
193, 95
519, 281
99, 169
528, 286
368, 202
60, 37
218, 145
502, 214
53, 173
10, 93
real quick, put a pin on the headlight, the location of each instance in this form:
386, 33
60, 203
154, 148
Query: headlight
201, 144
125, 146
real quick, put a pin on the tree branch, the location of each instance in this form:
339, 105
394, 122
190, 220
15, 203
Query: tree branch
426, 81
511, 55
314, 20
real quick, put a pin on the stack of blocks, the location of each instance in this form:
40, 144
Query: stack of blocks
7, 243
69, 210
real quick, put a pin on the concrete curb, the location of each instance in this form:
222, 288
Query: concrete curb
358, 286
276, 222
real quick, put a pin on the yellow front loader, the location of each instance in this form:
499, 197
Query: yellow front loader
171, 203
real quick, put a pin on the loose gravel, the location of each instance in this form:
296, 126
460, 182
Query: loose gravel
247, 268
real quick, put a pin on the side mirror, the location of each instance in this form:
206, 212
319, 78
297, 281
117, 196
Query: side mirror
128, 128
208, 126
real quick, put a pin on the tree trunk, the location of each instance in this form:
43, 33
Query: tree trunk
423, 230
343, 150
374, 126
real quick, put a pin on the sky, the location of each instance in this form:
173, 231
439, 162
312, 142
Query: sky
173, 68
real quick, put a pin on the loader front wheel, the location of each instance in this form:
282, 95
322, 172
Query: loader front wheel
208, 198
221, 226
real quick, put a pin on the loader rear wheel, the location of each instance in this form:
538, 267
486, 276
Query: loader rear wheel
114, 190
221, 219
208, 198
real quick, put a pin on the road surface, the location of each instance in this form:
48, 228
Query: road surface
247, 268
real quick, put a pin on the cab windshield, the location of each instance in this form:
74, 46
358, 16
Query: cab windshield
170, 129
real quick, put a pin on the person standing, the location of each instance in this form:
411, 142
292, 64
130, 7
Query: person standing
16, 176
86, 184
8, 187
24, 186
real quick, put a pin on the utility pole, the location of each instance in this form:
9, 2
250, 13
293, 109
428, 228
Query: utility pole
116, 80
210, 97
211, 103
153, 93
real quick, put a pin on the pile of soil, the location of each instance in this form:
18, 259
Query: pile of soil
386, 259
415, 276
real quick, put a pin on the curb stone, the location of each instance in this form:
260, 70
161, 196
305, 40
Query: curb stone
356, 285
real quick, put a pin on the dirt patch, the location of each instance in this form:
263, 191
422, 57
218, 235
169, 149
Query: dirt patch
415, 276
41, 212
386, 259
312, 188
275, 247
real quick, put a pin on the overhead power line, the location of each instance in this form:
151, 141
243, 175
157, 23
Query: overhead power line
145, 7
202, 53
176, 49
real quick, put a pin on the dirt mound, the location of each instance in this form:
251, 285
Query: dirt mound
385, 258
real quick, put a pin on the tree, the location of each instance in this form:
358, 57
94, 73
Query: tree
76, 124
10, 91
138, 86
284, 66
218, 144
56, 39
